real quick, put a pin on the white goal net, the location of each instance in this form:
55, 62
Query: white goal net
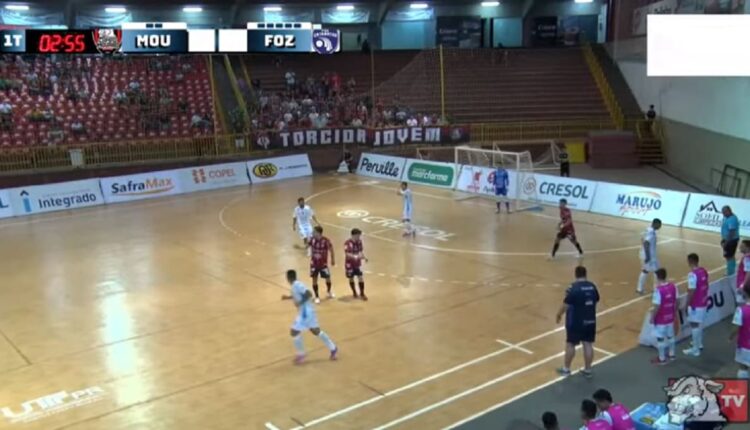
478, 172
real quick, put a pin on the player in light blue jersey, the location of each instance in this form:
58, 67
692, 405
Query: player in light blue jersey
306, 318
409, 229
501, 182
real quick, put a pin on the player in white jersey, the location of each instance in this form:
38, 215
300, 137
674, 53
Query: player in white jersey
649, 259
306, 318
302, 220
404, 191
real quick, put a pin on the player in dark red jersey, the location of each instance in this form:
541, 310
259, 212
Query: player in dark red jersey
566, 229
319, 247
354, 255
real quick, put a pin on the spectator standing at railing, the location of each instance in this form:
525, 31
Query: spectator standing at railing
730, 238
564, 162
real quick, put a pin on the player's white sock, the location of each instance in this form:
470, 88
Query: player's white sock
298, 345
672, 346
655, 282
698, 338
743, 374
327, 340
661, 346
641, 281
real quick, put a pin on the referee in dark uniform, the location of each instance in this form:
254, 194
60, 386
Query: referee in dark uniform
579, 308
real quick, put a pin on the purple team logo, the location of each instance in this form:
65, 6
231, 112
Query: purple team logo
326, 41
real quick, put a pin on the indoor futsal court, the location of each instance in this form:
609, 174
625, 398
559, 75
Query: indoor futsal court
168, 312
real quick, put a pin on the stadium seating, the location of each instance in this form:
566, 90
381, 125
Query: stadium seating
103, 119
486, 86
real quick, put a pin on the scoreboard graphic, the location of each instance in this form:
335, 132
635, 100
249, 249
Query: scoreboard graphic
174, 38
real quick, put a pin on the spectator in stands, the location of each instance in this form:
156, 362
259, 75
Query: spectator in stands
76, 127
351, 85
119, 97
55, 134
179, 77
549, 421
651, 114
199, 122
579, 308
356, 122
291, 79
48, 115
134, 85
183, 106
412, 122
335, 84
614, 413
6, 108
590, 421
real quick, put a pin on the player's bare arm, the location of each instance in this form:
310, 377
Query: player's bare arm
646, 251
315, 220
561, 312
294, 223
333, 255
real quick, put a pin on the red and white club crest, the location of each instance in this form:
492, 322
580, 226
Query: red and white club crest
107, 40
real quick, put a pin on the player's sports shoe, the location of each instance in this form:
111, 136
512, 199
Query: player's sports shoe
587, 373
331, 295
317, 301
550, 257
299, 359
414, 233
364, 297
406, 233
334, 353
659, 362
692, 352
563, 371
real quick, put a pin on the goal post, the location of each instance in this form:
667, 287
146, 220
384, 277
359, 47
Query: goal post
477, 168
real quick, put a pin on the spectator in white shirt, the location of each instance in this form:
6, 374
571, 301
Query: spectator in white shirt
290, 78
412, 122
356, 122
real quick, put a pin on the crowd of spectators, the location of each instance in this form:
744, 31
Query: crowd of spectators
326, 101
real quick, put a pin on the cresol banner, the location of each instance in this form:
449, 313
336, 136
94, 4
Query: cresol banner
642, 203
361, 136
549, 189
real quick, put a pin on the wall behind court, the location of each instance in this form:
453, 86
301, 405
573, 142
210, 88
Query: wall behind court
408, 34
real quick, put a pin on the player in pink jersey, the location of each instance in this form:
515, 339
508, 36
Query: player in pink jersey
614, 413
741, 332
696, 303
663, 315
320, 246
742, 272
590, 420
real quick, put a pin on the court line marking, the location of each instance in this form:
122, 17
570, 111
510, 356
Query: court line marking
453, 369
604, 351
514, 346
520, 396
270, 426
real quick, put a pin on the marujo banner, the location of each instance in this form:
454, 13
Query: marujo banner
630, 201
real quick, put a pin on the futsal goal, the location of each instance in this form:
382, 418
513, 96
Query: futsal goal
477, 168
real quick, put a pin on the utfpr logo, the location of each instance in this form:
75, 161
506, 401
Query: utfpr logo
199, 176
265, 170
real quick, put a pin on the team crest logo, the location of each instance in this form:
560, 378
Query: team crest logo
326, 41
708, 401
107, 40
263, 141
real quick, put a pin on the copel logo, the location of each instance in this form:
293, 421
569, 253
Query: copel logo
716, 401
199, 175
638, 202
51, 404
136, 188
265, 170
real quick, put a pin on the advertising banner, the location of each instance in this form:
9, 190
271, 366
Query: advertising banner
630, 201
141, 186
640, 15
381, 166
55, 197
704, 212
430, 173
274, 169
481, 180
549, 189
361, 136
459, 31
213, 177
720, 306
6, 210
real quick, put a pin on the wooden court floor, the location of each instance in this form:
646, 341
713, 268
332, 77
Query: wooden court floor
166, 314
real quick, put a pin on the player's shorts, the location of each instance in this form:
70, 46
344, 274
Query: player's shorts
306, 319
651, 266
406, 215
664, 331
323, 272
305, 231
501, 192
742, 356
353, 271
730, 248
566, 234
576, 335
696, 315
739, 298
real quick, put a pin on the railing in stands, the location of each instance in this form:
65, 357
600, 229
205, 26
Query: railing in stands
606, 90
217, 104
40, 158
